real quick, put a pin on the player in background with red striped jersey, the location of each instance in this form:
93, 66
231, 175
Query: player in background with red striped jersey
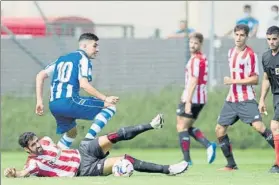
241, 101
193, 99
46, 159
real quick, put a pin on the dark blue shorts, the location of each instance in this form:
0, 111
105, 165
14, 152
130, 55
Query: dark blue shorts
246, 111
276, 107
195, 109
92, 158
67, 110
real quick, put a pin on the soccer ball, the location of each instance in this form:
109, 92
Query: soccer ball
123, 167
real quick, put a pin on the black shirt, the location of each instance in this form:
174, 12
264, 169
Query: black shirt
271, 68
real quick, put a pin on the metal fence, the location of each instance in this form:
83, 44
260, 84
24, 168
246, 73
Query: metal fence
123, 65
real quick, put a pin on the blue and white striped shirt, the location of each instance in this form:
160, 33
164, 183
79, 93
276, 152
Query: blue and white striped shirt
66, 72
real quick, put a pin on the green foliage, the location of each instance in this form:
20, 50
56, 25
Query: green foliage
18, 115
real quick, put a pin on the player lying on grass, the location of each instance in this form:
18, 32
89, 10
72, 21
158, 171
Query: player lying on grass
47, 160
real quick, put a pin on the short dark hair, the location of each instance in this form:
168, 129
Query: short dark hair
197, 35
88, 36
25, 138
272, 30
247, 6
242, 27
276, 7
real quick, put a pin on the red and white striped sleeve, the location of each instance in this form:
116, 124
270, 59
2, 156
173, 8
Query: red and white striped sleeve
32, 167
195, 67
253, 64
230, 53
47, 141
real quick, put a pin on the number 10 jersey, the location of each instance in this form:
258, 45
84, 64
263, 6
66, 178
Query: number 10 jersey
66, 72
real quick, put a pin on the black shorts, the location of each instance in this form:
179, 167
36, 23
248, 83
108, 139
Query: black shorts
92, 158
276, 107
246, 111
195, 109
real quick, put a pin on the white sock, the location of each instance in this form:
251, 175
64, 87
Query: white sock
100, 121
65, 142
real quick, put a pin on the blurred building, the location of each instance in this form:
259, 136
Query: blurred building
37, 27
146, 16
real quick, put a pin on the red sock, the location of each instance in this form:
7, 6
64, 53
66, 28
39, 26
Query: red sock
276, 143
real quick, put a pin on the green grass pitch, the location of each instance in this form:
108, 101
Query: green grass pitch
253, 166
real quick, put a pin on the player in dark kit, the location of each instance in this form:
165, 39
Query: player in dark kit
270, 61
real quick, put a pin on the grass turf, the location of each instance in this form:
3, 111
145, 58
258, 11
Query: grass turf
253, 166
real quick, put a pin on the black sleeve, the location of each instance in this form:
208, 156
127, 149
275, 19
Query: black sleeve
263, 63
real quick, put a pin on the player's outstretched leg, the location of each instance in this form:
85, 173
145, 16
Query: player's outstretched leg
142, 166
147, 167
211, 147
226, 147
105, 144
100, 121
127, 133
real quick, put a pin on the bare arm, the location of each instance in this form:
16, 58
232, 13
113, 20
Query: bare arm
84, 84
13, 173
40, 78
22, 173
253, 80
265, 87
192, 86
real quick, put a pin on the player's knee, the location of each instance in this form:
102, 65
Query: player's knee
259, 126
182, 126
179, 128
274, 126
110, 106
220, 130
72, 133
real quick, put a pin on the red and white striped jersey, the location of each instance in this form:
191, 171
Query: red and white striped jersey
242, 65
54, 162
197, 67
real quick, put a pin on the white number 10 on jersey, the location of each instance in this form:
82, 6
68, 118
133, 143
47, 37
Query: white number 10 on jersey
64, 70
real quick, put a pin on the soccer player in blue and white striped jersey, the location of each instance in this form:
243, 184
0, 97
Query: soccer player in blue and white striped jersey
69, 74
